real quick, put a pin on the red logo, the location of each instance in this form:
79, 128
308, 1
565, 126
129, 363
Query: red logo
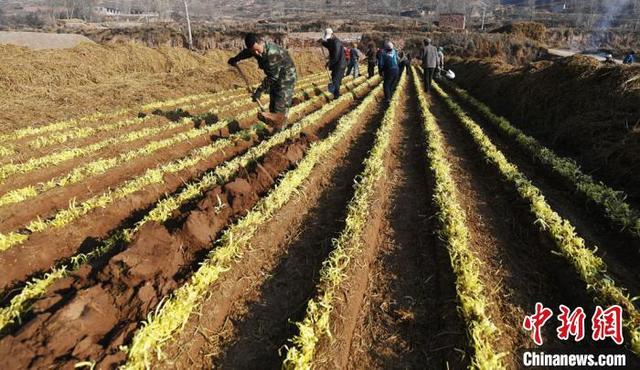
571, 323
604, 323
607, 324
536, 321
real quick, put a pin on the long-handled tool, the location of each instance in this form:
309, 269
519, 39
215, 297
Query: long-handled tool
330, 86
246, 81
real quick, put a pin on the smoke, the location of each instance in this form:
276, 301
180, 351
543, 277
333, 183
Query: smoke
612, 9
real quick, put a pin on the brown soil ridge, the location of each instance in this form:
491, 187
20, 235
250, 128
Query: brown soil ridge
42, 175
518, 267
44, 205
409, 316
90, 314
619, 249
224, 110
159, 117
24, 152
576, 106
251, 311
333, 353
37, 254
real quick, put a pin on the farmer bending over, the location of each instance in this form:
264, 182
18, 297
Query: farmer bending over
280, 77
337, 62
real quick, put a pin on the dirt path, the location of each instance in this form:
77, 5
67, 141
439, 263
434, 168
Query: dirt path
518, 267
251, 311
409, 317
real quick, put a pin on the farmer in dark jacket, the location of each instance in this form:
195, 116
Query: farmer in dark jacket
337, 63
372, 59
280, 77
429, 58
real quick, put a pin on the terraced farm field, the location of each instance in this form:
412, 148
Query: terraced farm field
418, 234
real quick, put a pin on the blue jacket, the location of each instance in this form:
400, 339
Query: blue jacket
388, 60
629, 59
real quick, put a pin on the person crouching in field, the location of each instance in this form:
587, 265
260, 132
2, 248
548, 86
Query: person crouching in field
280, 77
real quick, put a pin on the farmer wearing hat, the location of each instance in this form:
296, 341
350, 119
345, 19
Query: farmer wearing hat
608, 59
389, 69
337, 63
280, 77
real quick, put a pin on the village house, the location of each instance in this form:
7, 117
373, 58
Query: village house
452, 20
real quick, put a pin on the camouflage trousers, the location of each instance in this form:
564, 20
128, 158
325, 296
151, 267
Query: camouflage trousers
281, 93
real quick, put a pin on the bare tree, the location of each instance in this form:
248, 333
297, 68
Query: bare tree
486, 6
186, 12
532, 9
163, 8
82, 9
51, 10
636, 13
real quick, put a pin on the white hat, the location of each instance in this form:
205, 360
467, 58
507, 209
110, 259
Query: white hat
449, 74
388, 45
327, 34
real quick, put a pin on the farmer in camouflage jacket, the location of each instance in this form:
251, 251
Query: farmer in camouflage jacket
280, 77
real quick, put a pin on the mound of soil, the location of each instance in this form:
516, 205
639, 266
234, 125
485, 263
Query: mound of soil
40, 86
93, 312
577, 106
532, 30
